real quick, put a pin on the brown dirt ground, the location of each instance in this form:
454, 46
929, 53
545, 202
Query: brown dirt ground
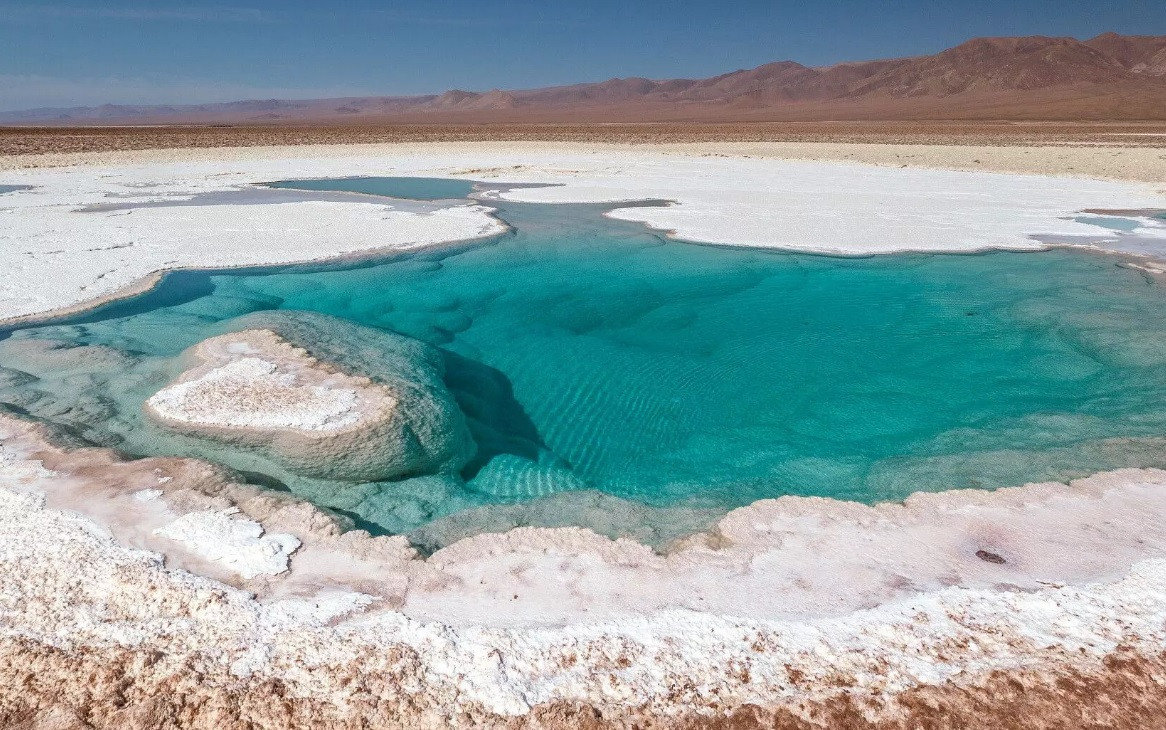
46, 688
42, 140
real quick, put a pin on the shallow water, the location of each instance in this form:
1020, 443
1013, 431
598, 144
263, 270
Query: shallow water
591, 354
13, 188
1113, 223
409, 188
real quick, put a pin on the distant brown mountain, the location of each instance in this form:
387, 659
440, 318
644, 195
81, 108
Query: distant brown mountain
1034, 77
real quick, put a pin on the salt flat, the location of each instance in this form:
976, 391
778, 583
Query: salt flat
60, 256
160, 569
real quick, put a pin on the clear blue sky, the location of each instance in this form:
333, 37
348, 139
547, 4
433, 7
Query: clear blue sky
83, 52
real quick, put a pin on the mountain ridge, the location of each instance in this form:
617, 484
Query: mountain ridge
1109, 76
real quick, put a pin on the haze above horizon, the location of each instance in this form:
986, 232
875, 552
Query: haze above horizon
143, 52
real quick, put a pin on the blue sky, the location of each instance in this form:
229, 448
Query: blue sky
162, 51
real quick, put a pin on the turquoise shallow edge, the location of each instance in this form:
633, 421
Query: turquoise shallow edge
591, 354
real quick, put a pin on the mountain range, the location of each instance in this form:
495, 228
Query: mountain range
1107, 77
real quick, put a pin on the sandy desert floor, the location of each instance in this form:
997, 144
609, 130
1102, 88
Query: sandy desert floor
1127, 150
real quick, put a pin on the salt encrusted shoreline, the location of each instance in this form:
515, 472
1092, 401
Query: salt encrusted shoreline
190, 600
1111, 158
361, 630
793, 204
64, 254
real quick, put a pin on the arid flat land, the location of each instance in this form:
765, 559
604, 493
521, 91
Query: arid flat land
43, 140
1118, 151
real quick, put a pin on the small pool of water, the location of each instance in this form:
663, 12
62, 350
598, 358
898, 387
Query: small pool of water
591, 354
13, 188
411, 188
1113, 223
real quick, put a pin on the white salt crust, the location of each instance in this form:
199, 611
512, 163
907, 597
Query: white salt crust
238, 543
254, 393
255, 380
56, 257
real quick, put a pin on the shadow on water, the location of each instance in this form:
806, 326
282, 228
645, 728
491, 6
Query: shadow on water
373, 528
172, 289
182, 286
262, 479
497, 421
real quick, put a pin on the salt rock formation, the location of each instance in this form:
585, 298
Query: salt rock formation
322, 396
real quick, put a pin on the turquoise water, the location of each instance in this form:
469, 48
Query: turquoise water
411, 188
1114, 223
591, 354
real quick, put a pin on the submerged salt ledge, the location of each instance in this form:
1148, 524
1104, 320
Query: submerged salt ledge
57, 256
253, 392
255, 389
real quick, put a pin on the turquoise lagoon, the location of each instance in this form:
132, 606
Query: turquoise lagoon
405, 188
593, 355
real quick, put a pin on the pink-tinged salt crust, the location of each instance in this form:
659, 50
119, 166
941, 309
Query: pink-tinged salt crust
771, 607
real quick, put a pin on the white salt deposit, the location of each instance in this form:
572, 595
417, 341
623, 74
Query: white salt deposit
69, 583
835, 207
56, 256
254, 393
236, 542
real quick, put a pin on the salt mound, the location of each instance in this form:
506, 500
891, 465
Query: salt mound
324, 397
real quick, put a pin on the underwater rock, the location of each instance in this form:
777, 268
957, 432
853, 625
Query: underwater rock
324, 397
